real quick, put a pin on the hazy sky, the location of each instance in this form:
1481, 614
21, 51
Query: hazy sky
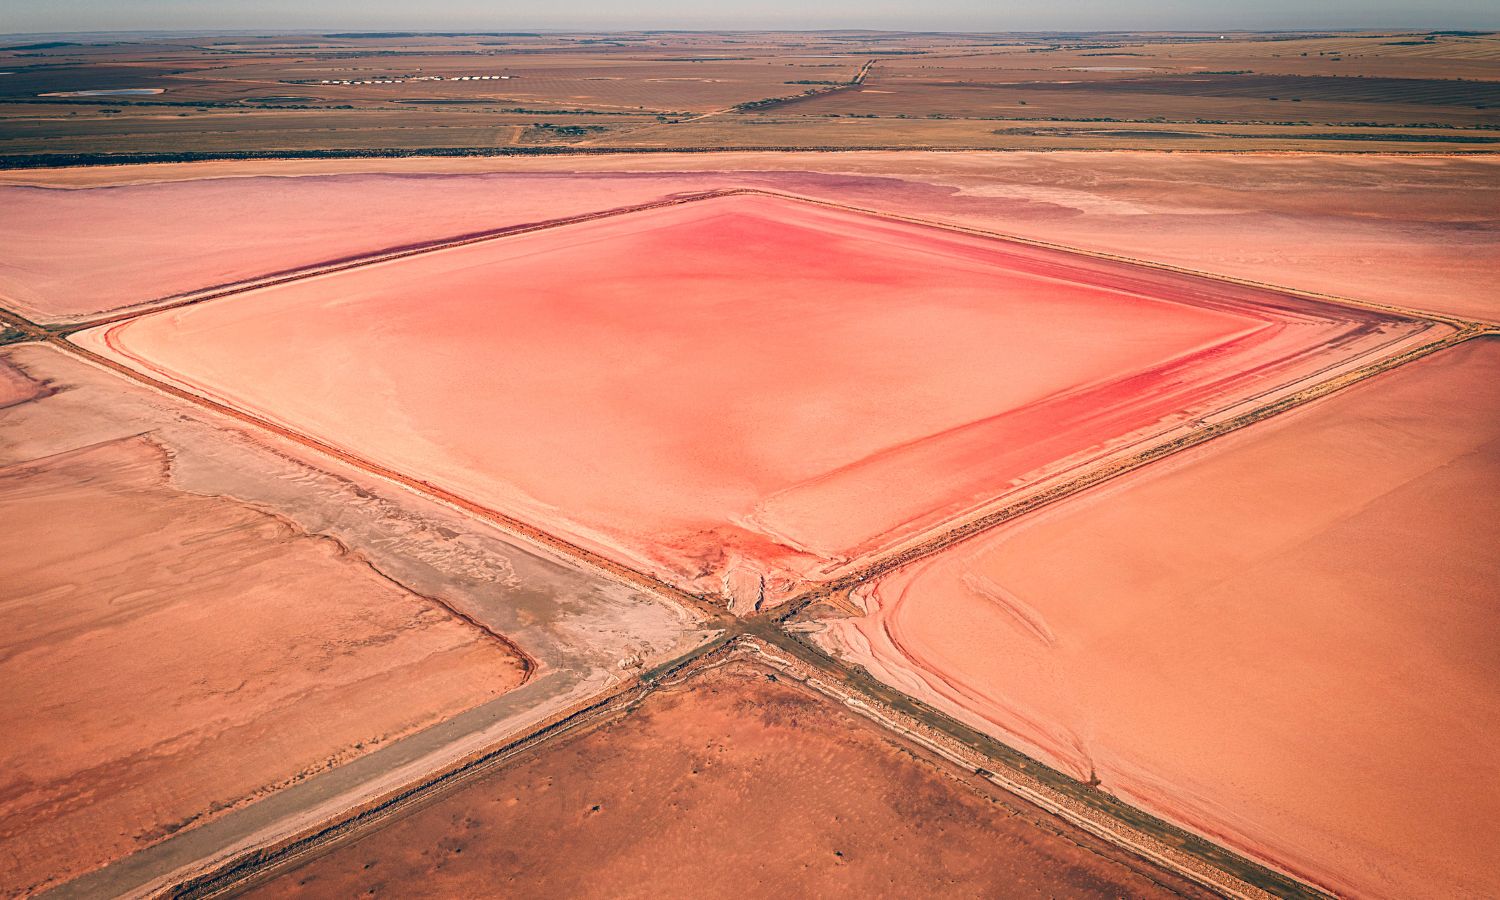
28, 16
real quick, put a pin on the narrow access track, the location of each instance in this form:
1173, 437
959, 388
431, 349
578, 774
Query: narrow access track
765, 645
769, 103
1209, 863
711, 608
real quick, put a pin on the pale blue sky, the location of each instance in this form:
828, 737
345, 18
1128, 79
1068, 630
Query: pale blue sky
31, 16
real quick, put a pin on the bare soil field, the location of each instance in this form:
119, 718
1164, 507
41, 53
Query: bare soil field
731, 785
1281, 640
743, 394
236, 626
184, 654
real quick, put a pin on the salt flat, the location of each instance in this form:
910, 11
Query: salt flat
743, 394
1282, 640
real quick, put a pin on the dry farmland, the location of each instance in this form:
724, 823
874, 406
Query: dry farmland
334, 94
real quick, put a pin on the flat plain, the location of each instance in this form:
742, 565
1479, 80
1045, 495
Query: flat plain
1280, 641
317, 658
683, 463
261, 623
913, 374
124, 251
732, 784
1414, 231
522, 93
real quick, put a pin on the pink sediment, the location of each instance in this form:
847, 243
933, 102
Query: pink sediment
1282, 640
1414, 231
73, 254
741, 388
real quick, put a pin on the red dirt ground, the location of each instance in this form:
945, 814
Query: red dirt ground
742, 387
734, 787
1284, 640
184, 655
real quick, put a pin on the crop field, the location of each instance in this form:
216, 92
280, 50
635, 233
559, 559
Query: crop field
755, 464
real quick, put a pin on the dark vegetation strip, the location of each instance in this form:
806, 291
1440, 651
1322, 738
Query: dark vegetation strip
837, 87
1288, 136
1331, 88
70, 160
65, 160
